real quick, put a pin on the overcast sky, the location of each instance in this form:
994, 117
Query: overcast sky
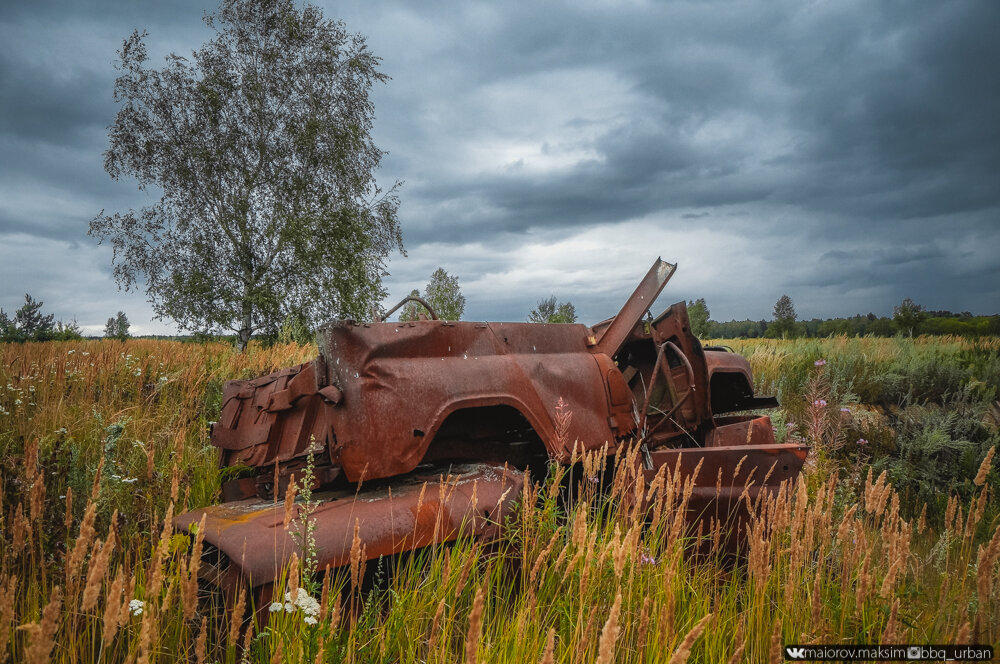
845, 153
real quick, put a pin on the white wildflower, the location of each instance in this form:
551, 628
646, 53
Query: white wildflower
136, 606
289, 607
275, 607
71, 351
308, 605
309, 620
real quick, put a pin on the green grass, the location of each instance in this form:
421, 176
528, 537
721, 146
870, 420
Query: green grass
815, 573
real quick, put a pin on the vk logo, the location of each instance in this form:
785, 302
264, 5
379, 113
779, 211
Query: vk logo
795, 653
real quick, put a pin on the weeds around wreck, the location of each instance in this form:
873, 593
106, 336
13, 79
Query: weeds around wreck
826, 561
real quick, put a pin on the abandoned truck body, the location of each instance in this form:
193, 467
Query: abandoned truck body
389, 408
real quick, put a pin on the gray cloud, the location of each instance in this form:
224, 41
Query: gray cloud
846, 153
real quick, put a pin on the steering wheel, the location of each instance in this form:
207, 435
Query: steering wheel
657, 369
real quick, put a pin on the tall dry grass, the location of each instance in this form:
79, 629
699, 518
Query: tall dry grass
108, 444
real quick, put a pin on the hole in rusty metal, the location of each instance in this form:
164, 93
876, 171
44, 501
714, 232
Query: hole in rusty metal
418, 433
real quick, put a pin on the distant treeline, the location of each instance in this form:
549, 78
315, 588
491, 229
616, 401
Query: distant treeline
937, 322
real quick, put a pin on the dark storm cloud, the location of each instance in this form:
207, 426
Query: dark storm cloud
847, 153
882, 111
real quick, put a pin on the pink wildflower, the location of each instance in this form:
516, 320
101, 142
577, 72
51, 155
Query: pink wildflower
820, 362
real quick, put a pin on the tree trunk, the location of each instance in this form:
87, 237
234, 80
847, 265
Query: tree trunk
242, 339
243, 336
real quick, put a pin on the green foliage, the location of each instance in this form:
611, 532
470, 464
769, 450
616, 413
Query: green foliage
925, 409
295, 329
939, 448
783, 325
548, 311
444, 295
738, 329
861, 326
698, 316
30, 324
908, 316
66, 331
117, 327
261, 145
413, 310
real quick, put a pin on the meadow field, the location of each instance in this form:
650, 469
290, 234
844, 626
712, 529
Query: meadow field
891, 535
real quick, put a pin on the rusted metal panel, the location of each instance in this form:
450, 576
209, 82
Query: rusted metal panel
423, 508
728, 483
740, 430
611, 336
401, 382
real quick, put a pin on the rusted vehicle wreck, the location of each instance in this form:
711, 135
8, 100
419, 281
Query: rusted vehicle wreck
388, 408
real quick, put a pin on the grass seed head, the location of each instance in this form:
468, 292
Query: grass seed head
475, 629
683, 651
43, 638
609, 633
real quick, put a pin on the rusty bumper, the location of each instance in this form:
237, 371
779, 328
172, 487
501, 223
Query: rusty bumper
249, 540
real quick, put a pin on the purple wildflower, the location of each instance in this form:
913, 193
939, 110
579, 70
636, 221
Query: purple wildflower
820, 362
647, 559
819, 403
862, 441
845, 410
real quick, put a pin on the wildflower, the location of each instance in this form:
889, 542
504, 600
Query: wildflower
845, 410
647, 559
789, 425
135, 606
592, 479
309, 605
862, 441
820, 362
309, 620
819, 403
275, 607
71, 351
